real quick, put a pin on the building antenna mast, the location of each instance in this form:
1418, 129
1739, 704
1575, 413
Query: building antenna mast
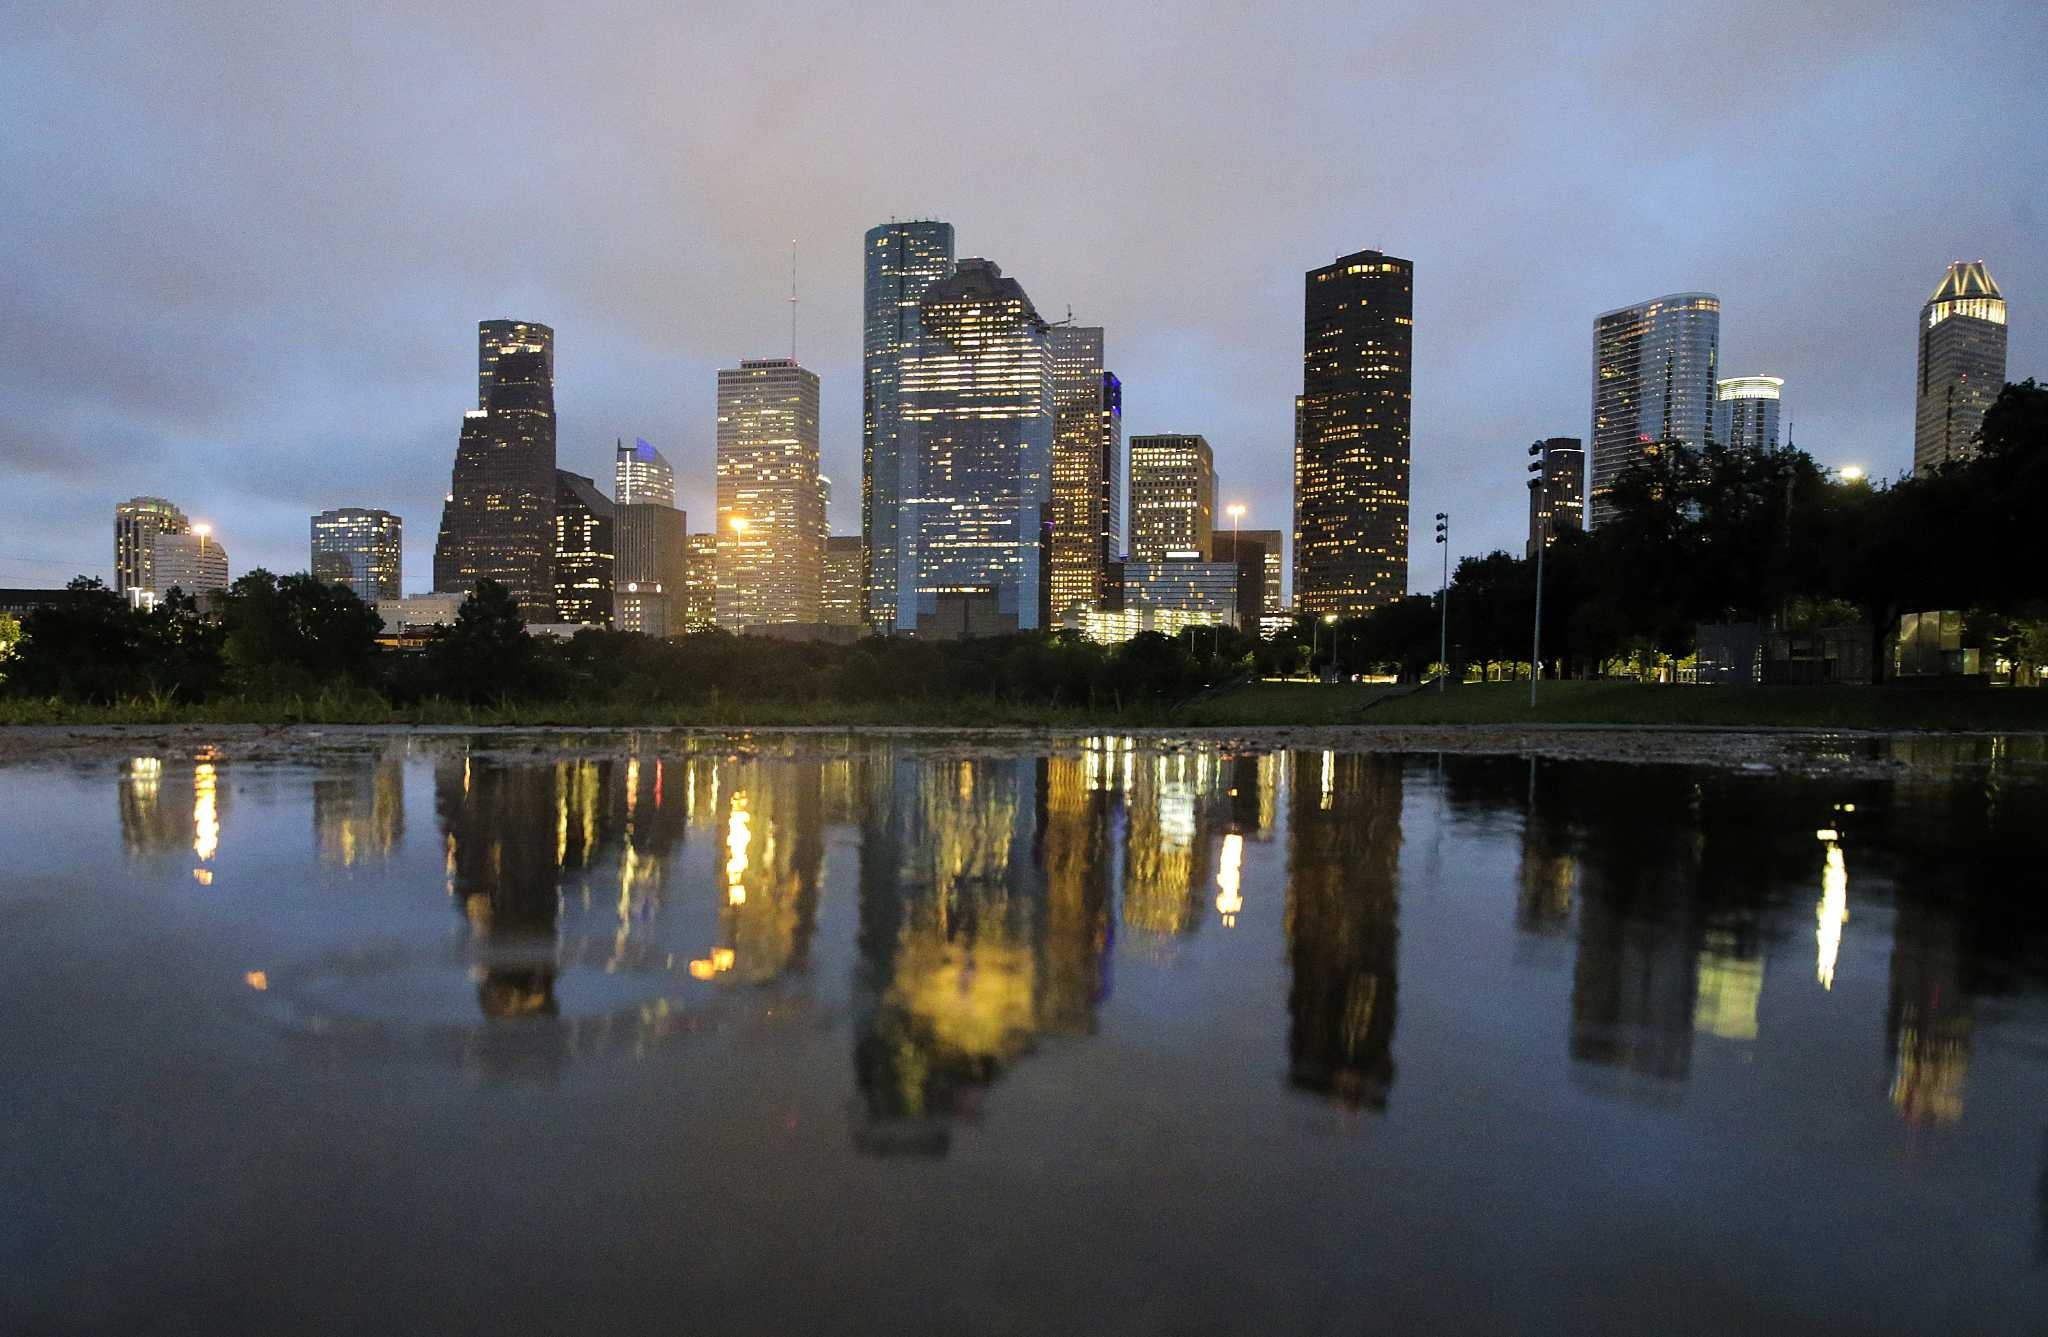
792, 299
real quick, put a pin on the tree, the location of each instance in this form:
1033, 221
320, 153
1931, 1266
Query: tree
91, 646
295, 632
486, 655
10, 636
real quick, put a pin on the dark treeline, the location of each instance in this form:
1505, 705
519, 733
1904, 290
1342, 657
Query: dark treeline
1712, 535
1725, 535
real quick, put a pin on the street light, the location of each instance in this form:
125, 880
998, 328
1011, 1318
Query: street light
1443, 600
1236, 511
1330, 620
1539, 485
1851, 473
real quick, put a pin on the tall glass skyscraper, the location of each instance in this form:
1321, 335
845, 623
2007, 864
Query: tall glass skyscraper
1746, 411
1654, 368
1962, 364
977, 410
900, 261
499, 520
771, 518
362, 549
1351, 435
640, 473
1173, 496
1087, 434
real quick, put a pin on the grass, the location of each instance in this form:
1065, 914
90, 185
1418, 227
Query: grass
1256, 705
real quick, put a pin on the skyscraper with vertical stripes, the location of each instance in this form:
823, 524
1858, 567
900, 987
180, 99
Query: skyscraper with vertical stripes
899, 261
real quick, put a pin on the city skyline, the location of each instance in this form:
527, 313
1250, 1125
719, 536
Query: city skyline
253, 438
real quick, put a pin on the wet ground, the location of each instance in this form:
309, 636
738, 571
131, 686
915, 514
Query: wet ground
387, 1031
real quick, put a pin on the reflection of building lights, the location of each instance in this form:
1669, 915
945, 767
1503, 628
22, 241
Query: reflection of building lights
738, 835
257, 980
1228, 901
203, 876
205, 812
711, 967
1833, 910
1329, 780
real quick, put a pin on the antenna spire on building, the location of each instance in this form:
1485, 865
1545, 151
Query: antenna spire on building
792, 299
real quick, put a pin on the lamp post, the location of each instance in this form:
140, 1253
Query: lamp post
1443, 601
1539, 484
1331, 620
1236, 510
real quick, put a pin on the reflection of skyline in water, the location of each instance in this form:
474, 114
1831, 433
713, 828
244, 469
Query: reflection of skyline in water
996, 892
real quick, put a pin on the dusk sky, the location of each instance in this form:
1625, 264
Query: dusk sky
246, 245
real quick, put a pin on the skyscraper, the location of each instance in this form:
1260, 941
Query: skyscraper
1087, 433
362, 549
1654, 367
1351, 435
1173, 495
640, 473
1962, 364
499, 520
1557, 490
977, 404
900, 261
583, 551
842, 601
651, 564
137, 522
770, 530
1242, 545
1746, 411
700, 583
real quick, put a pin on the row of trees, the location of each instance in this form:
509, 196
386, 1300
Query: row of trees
1727, 535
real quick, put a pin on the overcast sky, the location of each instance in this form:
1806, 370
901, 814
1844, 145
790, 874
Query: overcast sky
244, 247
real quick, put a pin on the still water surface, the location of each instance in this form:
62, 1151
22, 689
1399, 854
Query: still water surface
753, 1036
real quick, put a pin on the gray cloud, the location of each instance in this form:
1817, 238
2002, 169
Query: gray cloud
247, 244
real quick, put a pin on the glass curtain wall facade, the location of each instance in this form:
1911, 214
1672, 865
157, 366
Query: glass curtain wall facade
1962, 364
583, 551
1654, 374
191, 562
843, 601
137, 522
1557, 491
362, 549
499, 519
1746, 412
977, 400
900, 260
641, 475
1173, 495
1083, 450
700, 583
770, 506
1351, 435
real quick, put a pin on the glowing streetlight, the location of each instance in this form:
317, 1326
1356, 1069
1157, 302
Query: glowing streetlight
1236, 511
1851, 473
739, 524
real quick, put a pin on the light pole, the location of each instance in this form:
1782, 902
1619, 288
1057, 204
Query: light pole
1237, 560
1443, 601
1539, 485
1331, 618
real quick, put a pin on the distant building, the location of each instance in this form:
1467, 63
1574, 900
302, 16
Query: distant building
583, 552
700, 585
1962, 364
964, 614
362, 549
1173, 495
137, 522
1206, 591
1086, 446
977, 401
1261, 546
770, 528
843, 600
641, 475
900, 261
1557, 491
651, 567
191, 562
499, 519
1654, 372
1351, 435
418, 612
1746, 411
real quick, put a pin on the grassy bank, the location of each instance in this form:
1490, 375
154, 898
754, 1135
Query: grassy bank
1265, 704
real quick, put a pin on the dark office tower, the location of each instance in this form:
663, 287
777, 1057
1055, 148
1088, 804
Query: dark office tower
977, 406
1962, 364
1257, 553
1081, 451
494, 337
900, 261
651, 569
1351, 435
1557, 490
1653, 382
583, 551
1112, 469
499, 520
1343, 924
